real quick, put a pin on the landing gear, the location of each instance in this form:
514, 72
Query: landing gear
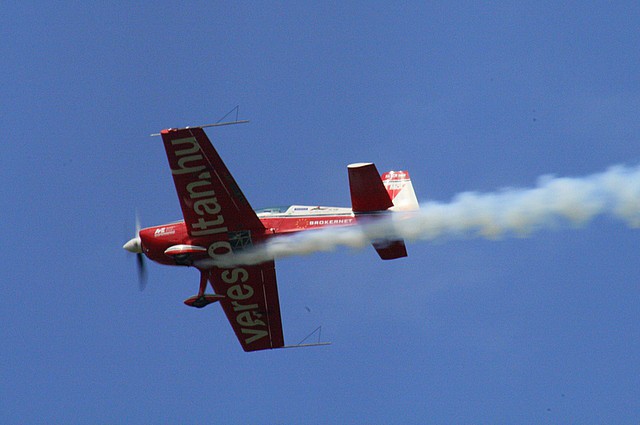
202, 300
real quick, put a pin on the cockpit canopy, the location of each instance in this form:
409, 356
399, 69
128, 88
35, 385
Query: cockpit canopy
300, 210
272, 210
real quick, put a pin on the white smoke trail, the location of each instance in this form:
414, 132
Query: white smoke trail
509, 212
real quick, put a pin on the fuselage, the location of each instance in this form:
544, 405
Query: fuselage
157, 240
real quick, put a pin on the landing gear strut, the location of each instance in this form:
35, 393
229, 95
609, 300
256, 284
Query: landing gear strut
202, 299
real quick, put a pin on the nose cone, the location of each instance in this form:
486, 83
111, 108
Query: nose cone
134, 245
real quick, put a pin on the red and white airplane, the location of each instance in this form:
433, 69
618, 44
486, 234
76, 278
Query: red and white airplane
219, 220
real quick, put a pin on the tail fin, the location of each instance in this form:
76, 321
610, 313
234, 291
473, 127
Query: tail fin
371, 193
400, 190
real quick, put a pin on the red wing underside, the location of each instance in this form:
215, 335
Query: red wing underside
217, 213
251, 304
211, 201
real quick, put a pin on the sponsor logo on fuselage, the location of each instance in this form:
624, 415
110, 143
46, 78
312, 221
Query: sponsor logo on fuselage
330, 222
190, 160
164, 231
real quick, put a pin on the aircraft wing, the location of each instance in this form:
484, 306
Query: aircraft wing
211, 201
251, 304
215, 209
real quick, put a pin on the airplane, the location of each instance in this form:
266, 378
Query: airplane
218, 220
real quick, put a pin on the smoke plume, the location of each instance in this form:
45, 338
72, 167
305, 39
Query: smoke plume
553, 202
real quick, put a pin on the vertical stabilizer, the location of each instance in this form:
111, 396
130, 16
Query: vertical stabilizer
400, 190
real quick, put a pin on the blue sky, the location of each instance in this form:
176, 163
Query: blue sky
464, 95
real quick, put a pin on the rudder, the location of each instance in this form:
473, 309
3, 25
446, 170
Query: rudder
400, 189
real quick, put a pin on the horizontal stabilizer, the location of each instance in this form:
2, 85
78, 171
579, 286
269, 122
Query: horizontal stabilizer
368, 193
390, 250
371, 192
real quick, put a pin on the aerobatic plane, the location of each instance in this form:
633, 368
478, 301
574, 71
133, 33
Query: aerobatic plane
218, 220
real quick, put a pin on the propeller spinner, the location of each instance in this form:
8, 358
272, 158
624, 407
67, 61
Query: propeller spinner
134, 245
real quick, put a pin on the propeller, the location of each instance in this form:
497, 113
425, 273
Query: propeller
134, 245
